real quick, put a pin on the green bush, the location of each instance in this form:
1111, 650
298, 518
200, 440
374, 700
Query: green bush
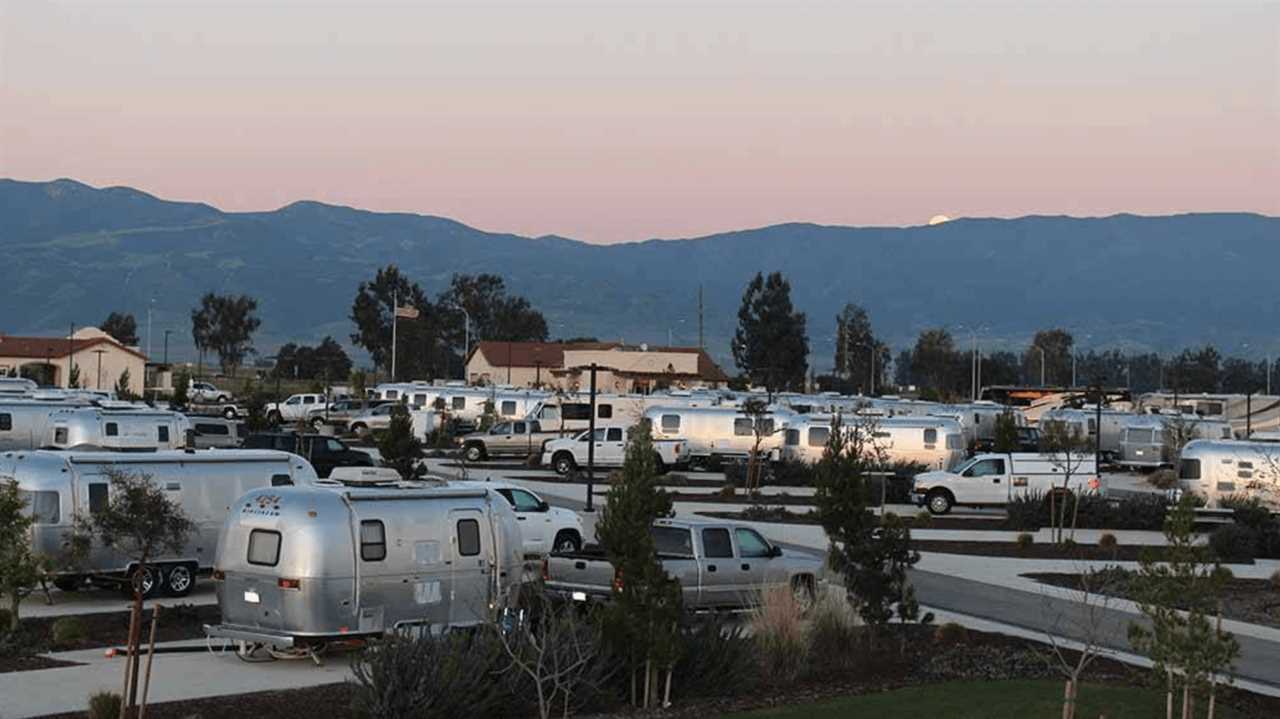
5, 618
1163, 479
1252, 514
728, 490
1031, 512
1234, 543
68, 630
453, 674
1025, 541
790, 473
675, 479
923, 519
834, 632
104, 705
761, 513
719, 659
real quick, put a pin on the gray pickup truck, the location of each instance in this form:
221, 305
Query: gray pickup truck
520, 438
720, 566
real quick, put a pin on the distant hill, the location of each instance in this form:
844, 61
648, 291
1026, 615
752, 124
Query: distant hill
73, 253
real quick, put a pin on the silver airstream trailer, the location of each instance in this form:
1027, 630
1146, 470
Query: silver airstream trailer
935, 442
1084, 422
118, 427
59, 486
1215, 469
1147, 440
720, 432
298, 567
17, 386
24, 422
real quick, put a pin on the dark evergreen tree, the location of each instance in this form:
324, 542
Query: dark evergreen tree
224, 324
857, 349
1057, 346
122, 327
400, 449
771, 345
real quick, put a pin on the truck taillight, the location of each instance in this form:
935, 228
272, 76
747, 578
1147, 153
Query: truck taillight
617, 580
546, 570
294, 584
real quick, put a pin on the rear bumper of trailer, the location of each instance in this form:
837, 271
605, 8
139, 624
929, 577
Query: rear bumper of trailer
250, 634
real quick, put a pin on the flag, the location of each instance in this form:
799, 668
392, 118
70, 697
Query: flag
409, 313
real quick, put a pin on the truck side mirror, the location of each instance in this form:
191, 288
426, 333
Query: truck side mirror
775, 551
543, 506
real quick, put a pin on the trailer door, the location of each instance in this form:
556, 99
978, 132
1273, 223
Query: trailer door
472, 566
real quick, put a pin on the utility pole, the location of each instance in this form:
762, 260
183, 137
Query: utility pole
98, 383
1248, 414
166, 345
395, 314
1041, 364
873, 370
701, 342
71, 353
591, 443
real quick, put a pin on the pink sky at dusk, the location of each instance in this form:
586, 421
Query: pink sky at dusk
610, 121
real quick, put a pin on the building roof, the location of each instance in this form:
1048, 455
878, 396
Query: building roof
55, 347
551, 354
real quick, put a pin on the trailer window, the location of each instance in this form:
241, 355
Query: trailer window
390, 394
576, 410
264, 548
419, 400
112, 429
508, 408
212, 429
716, 543
764, 427
459, 402
670, 423
930, 436
373, 540
742, 427
6, 422
281, 480
162, 433
954, 441
60, 435
549, 413
819, 436
99, 493
604, 411
1189, 469
468, 537
43, 507
1139, 435
672, 542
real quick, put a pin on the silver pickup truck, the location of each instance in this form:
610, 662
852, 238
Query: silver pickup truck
720, 566
519, 438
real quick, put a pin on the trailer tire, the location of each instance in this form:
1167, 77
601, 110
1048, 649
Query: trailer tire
474, 452
152, 580
179, 580
563, 463
567, 540
939, 501
70, 583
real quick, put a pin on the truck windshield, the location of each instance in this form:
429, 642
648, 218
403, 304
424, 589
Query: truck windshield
964, 466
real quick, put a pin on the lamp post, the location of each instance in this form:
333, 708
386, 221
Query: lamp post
591, 443
1041, 364
466, 341
166, 345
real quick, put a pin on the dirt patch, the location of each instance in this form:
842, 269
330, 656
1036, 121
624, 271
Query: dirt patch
111, 629
1256, 601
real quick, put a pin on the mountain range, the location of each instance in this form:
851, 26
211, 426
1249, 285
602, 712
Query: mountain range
72, 253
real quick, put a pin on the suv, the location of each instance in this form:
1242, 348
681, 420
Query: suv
324, 453
205, 393
293, 409
340, 413
377, 418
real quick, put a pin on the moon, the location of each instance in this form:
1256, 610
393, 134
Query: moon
939, 219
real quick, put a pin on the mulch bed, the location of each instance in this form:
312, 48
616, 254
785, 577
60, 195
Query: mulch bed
109, 629
1256, 601
30, 662
327, 700
770, 500
1122, 553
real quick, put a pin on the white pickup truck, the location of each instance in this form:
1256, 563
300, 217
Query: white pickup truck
294, 408
991, 480
567, 454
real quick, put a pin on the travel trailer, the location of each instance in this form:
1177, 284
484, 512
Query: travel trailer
17, 386
1148, 439
935, 442
1084, 423
720, 432
63, 485
129, 427
298, 567
24, 423
1246, 413
1215, 469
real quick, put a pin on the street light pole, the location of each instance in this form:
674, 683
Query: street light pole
1041, 364
166, 345
591, 443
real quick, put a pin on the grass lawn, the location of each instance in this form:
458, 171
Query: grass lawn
982, 700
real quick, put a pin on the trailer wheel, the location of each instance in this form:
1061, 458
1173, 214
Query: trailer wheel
475, 452
939, 501
149, 581
563, 463
69, 583
179, 580
567, 540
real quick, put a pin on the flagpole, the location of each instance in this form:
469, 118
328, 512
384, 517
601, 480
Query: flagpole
395, 313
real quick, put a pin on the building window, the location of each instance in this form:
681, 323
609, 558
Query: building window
373, 541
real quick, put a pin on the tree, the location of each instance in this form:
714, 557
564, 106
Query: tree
1088, 625
1068, 451
936, 365
856, 346
20, 568
641, 623
224, 324
417, 340
1001, 368
326, 360
1195, 370
123, 391
771, 345
495, 315
1177, 596
181, 386
559, 652
1241, 376
140, 522
1057, 346
122, 327
1006, 432
757, 413
401, 450
73, 377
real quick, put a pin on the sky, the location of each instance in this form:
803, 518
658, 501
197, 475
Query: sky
610, 121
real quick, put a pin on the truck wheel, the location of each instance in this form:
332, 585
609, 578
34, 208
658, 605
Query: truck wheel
222, 399
358, 429
475, 452
939, 502
70, 583
567, 541
179, 580
229, 413
563, 463
317, 423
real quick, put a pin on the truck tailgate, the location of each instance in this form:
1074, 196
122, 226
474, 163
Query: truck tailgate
579, 576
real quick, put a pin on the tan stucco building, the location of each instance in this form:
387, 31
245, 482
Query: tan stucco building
619, 368
48, 360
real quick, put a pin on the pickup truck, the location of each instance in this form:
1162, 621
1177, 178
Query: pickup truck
205, 393
294, 408
543, 528
519, 438
569, 453
991, 480
324, 453
720, 566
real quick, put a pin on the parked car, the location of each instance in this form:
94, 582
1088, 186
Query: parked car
294, 408
211, 433
298, 567
543, 527
206, 393
520, 438
991, 480
567, 454
369, 420
720, 565
324, 453
340, 412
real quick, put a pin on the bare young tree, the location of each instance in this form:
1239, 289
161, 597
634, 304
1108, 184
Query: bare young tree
762, 427
1068, 451
1081, 621
560, 655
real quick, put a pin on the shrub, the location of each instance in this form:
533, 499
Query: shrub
1027, 512
1252, 514
1031, 512
735, 473
950, 633
1233, 543
1108, 541
833, 631
792, 473
104, 705
674, 479
5, 619
1163, 479
719, 659
923, 519
728, 490
778, 628
448, 675
761, 513
68, 630
1275, 580
1025, 541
